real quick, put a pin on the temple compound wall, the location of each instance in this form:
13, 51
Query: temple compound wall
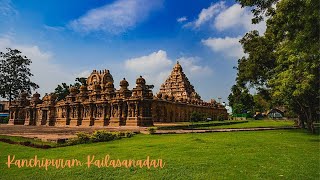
98, 103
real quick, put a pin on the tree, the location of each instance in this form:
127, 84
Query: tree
63, 90
285, 60
81, 80
260, 103
240, 100
15, 74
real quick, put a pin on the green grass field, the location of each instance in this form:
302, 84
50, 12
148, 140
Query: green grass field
23, 139
277, 154
255, 124
230, 124
200, 124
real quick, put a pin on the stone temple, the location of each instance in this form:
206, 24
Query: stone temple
98, 103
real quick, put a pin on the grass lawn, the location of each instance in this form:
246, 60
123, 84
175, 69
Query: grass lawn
209, 122
200, 124
279, 154
31, 140
230, 124
255, 124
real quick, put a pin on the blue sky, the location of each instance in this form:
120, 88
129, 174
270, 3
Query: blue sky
68, 39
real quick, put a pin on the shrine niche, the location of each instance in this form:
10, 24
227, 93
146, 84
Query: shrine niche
99, 103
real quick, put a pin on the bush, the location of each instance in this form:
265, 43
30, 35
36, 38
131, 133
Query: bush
122, 134
102, 135
98, 136
128, 134
4, 120
152, 130
221, 117
83, 137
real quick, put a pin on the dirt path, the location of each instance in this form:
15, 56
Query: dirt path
48, 133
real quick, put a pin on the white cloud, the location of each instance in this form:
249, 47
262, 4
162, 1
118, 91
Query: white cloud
156, 67
182, 19
223, 18
228, 46
85, 73
235, 17
189, 64
153, 62
207, 14
115, 18
7, 9
46, 73
33, 52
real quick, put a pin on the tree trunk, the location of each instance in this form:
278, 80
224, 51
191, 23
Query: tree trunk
10, 95
310, 121
301, 121
310, 126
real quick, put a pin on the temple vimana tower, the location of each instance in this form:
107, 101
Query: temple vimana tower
98, 103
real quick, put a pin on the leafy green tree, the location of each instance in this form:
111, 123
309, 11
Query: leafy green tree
15, 74
285, 60
63, 90
240, 100
81, 81
260, 103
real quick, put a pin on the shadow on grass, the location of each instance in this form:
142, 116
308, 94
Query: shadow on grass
197, 126
26, 143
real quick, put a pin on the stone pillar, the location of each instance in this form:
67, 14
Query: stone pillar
18, 116
75, 115
136, 109
51, 119
99, 119
115, 115
91, 115
124, 114
85, 120
145, 116
29, 117
132, 117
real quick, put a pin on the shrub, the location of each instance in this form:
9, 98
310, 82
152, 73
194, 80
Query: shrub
4, 120
196, 116
98, 136
122, 134
221, 117
102, 135
128, 134
83, 137
152, 130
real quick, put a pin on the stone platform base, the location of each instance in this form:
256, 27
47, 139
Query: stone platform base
86, 123
114, 122
99, 122
74, 122
132, 121
16, 121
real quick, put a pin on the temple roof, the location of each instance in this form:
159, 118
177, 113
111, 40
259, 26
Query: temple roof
178, 85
